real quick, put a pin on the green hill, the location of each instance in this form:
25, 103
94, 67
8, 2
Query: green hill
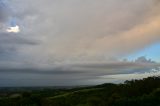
145, 92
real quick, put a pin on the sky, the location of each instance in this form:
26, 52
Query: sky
78, 42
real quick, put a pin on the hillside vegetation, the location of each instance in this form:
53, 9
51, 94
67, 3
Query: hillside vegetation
145, 92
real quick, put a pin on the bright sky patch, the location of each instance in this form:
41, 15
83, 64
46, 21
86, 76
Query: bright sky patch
14, 29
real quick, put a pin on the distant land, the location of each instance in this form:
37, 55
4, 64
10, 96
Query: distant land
144, 92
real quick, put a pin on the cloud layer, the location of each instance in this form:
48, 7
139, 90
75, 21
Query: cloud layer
74, 37
73, 30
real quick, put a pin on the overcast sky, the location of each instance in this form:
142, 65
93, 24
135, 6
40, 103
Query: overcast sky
78, 42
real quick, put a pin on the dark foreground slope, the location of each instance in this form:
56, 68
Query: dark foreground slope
145, 92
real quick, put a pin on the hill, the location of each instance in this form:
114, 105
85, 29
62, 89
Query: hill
144, 92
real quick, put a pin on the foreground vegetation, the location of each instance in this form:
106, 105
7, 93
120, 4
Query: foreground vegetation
145, 92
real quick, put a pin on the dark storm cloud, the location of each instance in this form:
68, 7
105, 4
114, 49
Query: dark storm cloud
75, 74
13, 39
57, 71
90, 69
10, 44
